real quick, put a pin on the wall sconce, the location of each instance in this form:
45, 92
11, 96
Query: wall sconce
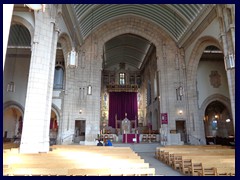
89, 90
80, 111
228, 120
180, 112
216, 116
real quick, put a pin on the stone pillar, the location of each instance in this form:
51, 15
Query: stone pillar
231, 86
227, 39
7, 12
93, 104
163, 89
35, 134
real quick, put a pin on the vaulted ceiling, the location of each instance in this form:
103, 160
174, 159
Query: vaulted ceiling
128, 49
175, 19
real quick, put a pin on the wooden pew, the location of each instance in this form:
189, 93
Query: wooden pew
67, 160
161, 151
201, 165
182, 162
181, 157
35, 172
112, 172
78, 172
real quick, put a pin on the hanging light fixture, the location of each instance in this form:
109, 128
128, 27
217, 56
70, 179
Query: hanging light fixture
229, 61
73, 55
36, 7
72, 58
89, 87
11, 87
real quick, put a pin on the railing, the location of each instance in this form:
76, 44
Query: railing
120, 88
66, 137
199, 140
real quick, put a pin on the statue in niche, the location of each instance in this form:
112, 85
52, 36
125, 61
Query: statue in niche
105, 100
126, 125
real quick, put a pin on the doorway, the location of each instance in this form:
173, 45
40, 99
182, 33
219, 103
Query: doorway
79, 134
12, 124
53, 131
181, 128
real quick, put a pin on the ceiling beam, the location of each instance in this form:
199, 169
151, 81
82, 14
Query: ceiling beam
71, 16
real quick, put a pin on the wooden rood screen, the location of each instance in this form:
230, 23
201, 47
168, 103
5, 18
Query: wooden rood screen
76, 160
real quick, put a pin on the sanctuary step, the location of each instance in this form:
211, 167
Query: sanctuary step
139, 147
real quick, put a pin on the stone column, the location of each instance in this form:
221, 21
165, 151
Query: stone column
93, 103
7, 12
35, 135
227, 39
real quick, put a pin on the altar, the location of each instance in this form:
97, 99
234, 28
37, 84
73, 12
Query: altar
129, 138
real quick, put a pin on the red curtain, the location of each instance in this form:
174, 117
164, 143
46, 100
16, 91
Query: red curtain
121, 103
53, 123
20, 125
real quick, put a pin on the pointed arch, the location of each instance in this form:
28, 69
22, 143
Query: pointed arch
216, 97
13, 104
26, 23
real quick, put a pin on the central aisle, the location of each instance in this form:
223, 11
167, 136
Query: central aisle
147, 152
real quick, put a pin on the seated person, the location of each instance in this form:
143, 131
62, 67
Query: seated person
99, 143
108, 143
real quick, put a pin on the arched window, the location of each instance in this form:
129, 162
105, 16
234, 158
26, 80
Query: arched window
122, 80
58, 78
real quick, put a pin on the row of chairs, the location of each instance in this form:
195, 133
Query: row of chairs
149, 137
107, 136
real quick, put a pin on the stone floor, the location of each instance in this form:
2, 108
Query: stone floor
147, 152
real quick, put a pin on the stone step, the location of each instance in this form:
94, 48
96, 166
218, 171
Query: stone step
139, 147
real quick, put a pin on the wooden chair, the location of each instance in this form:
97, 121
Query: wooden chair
145, 138
105, 137
111, 137
153, 137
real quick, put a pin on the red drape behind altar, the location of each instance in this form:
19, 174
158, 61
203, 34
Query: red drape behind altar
121, 103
